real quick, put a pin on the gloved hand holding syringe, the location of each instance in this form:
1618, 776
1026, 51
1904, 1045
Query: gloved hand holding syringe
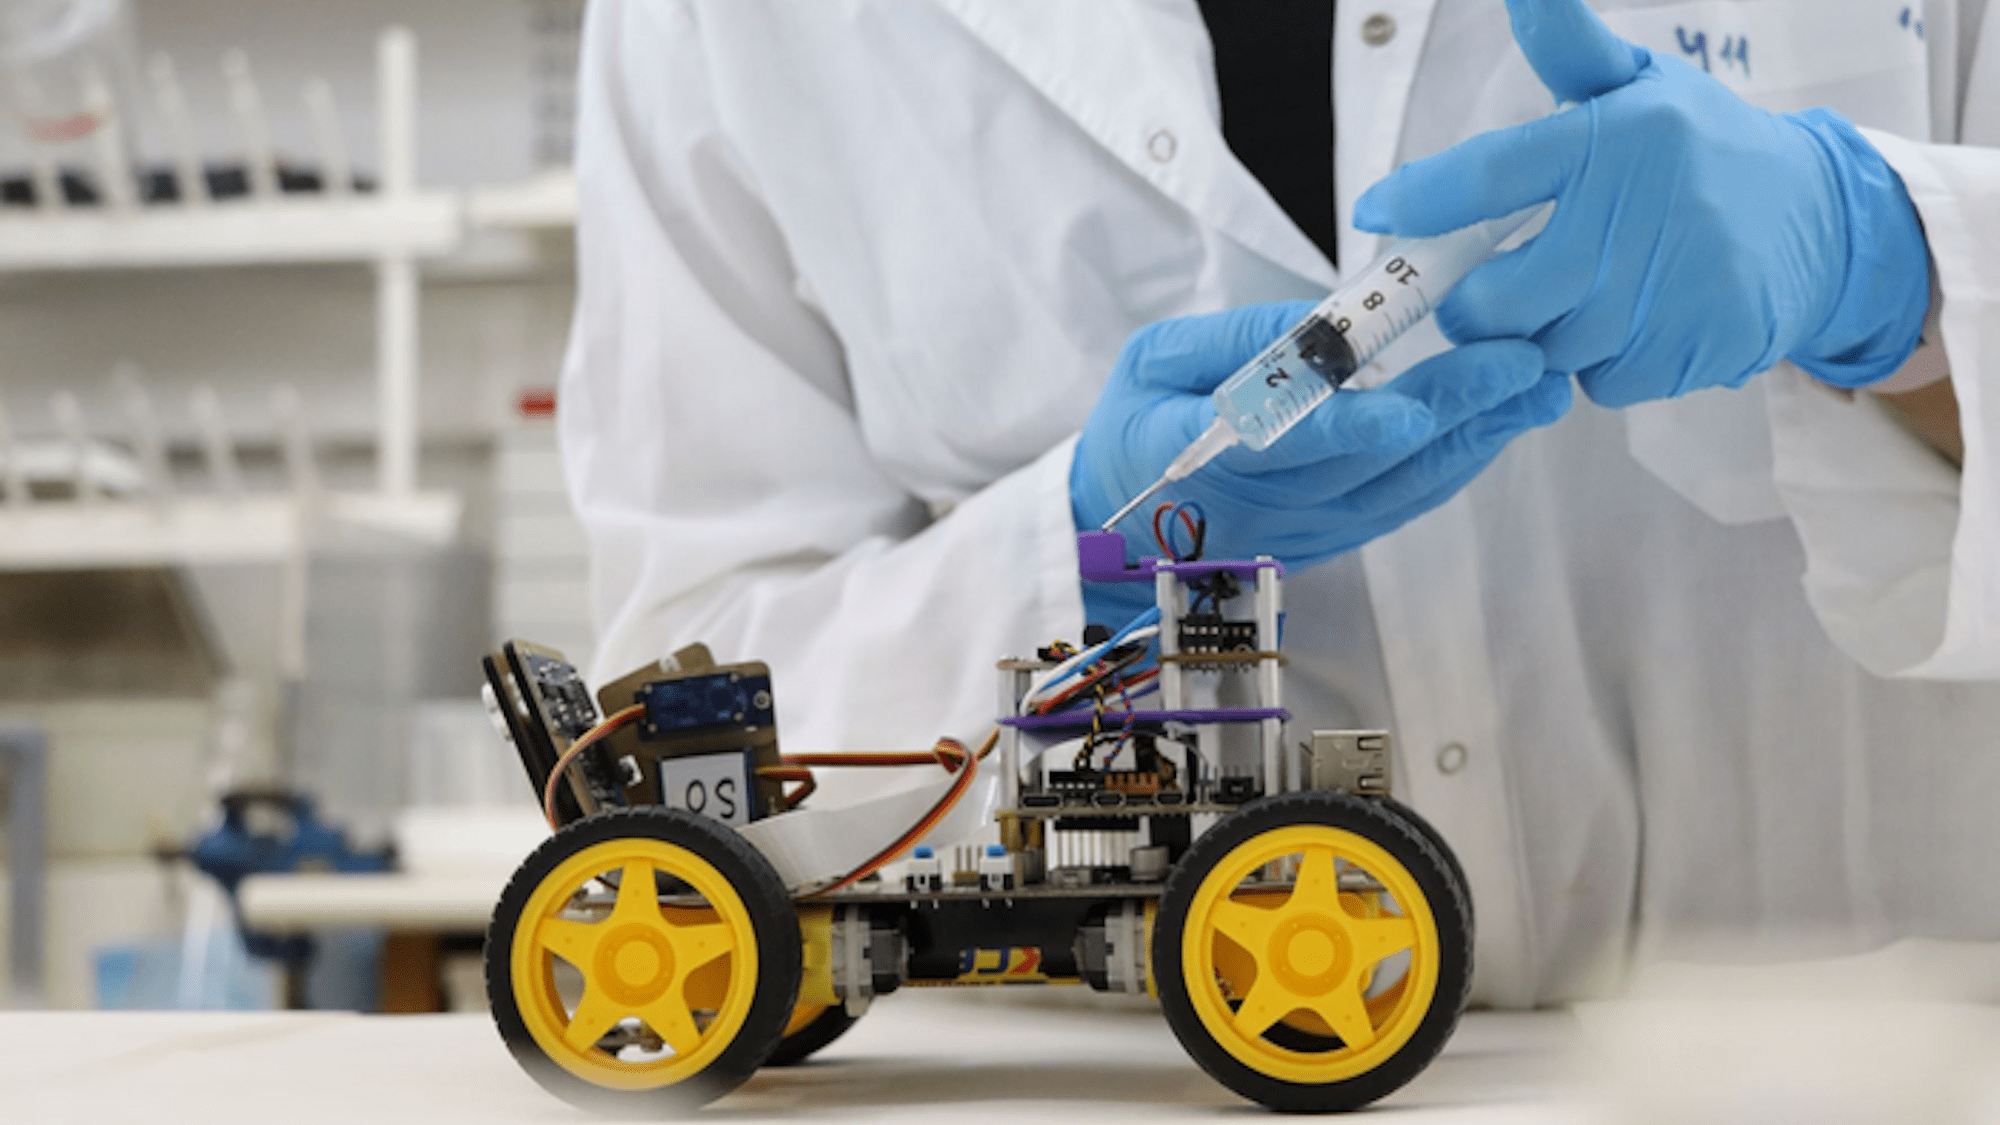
1332, 346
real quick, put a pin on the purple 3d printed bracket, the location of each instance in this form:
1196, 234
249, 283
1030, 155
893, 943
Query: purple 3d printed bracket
1100, 557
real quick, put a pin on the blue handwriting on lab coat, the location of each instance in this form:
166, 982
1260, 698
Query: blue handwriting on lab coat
1735, 50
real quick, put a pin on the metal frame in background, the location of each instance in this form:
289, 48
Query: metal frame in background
24, 773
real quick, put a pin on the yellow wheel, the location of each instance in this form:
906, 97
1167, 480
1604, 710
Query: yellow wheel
644, 955
1313, 951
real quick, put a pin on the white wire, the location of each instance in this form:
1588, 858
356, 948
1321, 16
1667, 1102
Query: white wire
1061, 671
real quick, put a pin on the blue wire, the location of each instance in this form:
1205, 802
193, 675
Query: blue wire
1199, 518
1150, 617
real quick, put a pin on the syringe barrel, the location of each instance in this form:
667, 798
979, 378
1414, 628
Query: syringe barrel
1408, 280
1367, 313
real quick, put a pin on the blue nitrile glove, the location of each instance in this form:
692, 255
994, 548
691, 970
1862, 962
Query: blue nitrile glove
1361, 465
1697, 239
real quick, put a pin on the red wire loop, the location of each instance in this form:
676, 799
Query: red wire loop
1161, 535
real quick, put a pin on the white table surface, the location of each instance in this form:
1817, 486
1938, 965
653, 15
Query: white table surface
1019, 1056
925, 1055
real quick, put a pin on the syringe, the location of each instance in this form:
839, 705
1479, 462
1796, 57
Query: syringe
1326, 350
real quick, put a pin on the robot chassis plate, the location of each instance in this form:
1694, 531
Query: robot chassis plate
1308, 938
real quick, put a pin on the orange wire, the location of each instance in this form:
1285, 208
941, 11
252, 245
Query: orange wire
945, 747
935, 756
584, 742
792, 773
916, 832
914, 758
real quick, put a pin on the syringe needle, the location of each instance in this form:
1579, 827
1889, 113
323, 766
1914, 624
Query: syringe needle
1217, 437
1128, 509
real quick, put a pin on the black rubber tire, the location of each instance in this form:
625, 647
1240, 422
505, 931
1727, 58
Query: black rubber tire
1437, 879
779, 959
814, 1037
1437, 840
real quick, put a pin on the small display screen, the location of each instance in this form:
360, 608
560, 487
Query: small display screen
723, 699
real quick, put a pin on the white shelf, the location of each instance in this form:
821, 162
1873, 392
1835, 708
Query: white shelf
546, 202
306, 230
205, 529
420, 517
74, 536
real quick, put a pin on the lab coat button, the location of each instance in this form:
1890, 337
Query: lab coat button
1378, 29
1451, 758
1162, 145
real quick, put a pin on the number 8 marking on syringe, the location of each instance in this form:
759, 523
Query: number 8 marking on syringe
1398, 269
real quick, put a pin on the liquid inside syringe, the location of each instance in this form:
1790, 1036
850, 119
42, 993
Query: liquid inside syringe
1333, 344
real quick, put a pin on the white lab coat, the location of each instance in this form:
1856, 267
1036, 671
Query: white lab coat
853, 272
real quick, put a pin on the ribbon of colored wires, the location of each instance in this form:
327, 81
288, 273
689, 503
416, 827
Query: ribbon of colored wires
584, 742
968, 766
1092, 680
1140, 628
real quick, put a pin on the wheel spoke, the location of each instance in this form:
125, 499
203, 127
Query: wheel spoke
1246, 925
1319, 878
571, 941
638, 896
1344, 1012
671, 1021
1266, 1004
698, 943
595, 1015
1377, 938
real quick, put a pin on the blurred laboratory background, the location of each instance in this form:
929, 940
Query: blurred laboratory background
283, 291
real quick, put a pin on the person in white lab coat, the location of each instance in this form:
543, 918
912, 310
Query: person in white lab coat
852, 277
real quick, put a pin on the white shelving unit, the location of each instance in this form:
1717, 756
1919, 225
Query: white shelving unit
60, 508
172, 474
391, 229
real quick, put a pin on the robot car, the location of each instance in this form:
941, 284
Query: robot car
1136, 822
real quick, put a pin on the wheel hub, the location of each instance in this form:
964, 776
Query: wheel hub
1311, 953
635, 963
